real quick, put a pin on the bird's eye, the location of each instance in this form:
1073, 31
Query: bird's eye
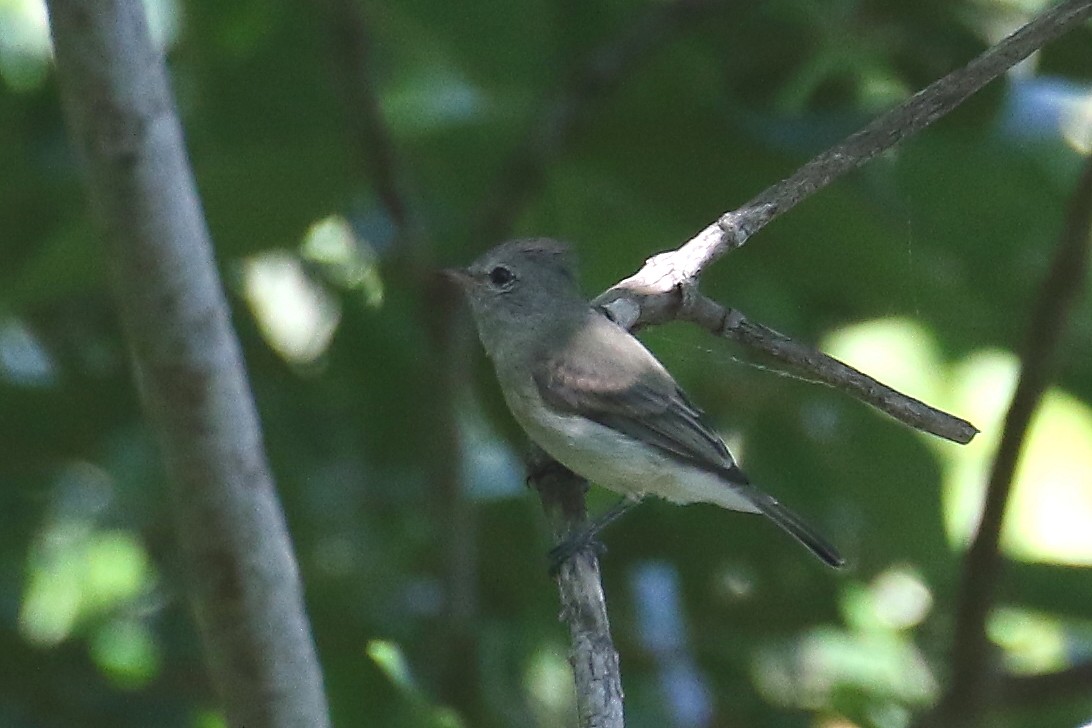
502, 277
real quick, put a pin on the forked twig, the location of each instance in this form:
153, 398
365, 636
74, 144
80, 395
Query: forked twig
652, 295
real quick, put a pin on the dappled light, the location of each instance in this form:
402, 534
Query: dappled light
1077, 123
548, 681
1034, 642
26, 50
1052, 500
90, 581
336, 476
209, 719
875, 653
297, 316
1050, 109
345, 258
23, 359
126, 651
389, 658
1051, 504
1052, 497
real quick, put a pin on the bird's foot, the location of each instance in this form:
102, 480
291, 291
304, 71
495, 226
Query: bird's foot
573, 544
547, 468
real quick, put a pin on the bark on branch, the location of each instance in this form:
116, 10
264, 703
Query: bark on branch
734, 228
583, 606
244, 582
665, 288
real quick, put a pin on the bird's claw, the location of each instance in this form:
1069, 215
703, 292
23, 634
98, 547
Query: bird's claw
571, 546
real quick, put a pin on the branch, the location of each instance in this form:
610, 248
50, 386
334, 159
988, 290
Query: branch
244, 581
604, 70
687, 304
665, 287
734, 228
593, 658
455, 657
825, 369
971, 650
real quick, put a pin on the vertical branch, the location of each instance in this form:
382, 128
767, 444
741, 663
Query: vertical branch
244, 582
971, 667
592, 655
456, 657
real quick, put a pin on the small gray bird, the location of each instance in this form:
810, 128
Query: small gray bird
594, 398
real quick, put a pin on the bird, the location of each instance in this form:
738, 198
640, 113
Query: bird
591, 395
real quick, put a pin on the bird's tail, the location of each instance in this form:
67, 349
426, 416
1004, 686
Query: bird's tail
796, 527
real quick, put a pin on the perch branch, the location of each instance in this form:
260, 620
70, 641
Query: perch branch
652, 295
936, 100
971, 650
583, 606
594, 660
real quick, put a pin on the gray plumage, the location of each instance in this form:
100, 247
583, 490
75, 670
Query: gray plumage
594, 398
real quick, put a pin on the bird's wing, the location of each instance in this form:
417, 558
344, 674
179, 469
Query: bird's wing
606, 375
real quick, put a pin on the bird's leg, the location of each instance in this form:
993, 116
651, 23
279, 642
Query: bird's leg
543, 467
585, 538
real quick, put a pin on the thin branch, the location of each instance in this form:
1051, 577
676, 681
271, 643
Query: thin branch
244, 581
594, 660
652, 294
933, 102
820, 367
606, 67
583, 607
455, 514
971, 651
687, 304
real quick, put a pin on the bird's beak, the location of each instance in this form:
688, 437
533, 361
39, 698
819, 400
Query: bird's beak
460, 276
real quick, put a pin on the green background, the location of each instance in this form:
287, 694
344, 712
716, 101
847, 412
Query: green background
422, 554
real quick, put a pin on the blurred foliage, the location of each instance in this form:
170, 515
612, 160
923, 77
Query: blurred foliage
432, 608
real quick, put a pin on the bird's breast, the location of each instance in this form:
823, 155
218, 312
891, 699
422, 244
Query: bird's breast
611, 459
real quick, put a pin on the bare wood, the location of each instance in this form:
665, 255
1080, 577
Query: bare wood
734, 228
825, 369
583, 606
244, 582
665, 287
